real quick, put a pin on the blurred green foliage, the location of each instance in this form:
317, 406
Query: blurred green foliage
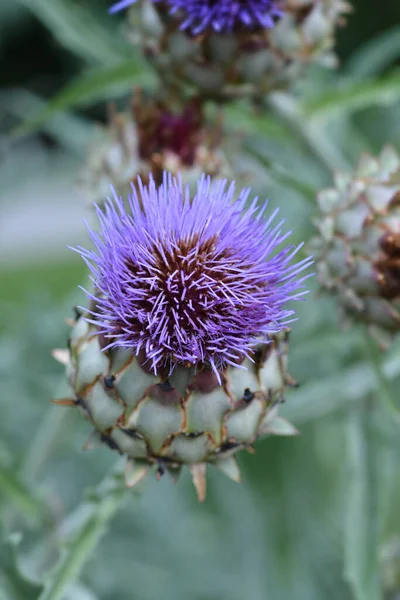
314, 514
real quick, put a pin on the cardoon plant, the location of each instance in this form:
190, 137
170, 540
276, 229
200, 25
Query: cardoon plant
178, 358
181, 357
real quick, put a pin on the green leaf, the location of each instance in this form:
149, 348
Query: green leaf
375, 55
13, 581
363, 523
321, 397
19, 496
88, 523
80, 592
355, 96
80, 30
281, 175
71, 131
242, 117
94, 86
313, 132
388, 399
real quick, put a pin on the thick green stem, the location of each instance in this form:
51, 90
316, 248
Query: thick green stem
385, 388
367, 427
363, 523
82, 531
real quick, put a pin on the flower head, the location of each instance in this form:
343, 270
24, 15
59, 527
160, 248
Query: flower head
220, 15
190, 281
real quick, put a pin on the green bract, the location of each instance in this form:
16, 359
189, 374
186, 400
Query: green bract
187, 418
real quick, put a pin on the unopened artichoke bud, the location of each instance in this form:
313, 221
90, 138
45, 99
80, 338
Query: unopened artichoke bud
153, 136
225, 49
182, 357
358, 247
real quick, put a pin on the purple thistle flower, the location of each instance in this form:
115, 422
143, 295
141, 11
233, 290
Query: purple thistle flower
221, 15
190, 281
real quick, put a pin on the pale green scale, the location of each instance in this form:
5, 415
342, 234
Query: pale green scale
242, 425
156, 422
285, 36
270, 374
71, 373
363, 280
132, 383
132, 446
120, 358
79, 331
378, 311
265, 423
242, 379
205, 411
253, 66
180, 378
182, 48
204, 77
223, 48
92, 363
190, 450
104, 409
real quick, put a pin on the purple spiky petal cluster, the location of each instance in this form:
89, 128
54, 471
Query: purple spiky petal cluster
190, 280
222, 16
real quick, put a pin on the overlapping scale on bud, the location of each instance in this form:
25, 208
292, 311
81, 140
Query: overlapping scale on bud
153, 136
181, 358
358, 247
236, 54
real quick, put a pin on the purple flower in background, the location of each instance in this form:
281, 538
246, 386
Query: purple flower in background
226, 15
220, 15
190, 280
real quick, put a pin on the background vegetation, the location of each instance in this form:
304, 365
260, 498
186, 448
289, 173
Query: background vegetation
317, 516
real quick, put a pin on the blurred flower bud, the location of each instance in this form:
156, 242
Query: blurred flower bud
358, 247
154, 136
245, 60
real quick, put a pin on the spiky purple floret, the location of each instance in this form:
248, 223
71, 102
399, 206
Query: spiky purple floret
192, 281
222, 16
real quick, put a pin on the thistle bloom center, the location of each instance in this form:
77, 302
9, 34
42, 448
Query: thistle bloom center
190, 280
222, 16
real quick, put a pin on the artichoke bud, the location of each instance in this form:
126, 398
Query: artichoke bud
358, 247
243, 61
153, 136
